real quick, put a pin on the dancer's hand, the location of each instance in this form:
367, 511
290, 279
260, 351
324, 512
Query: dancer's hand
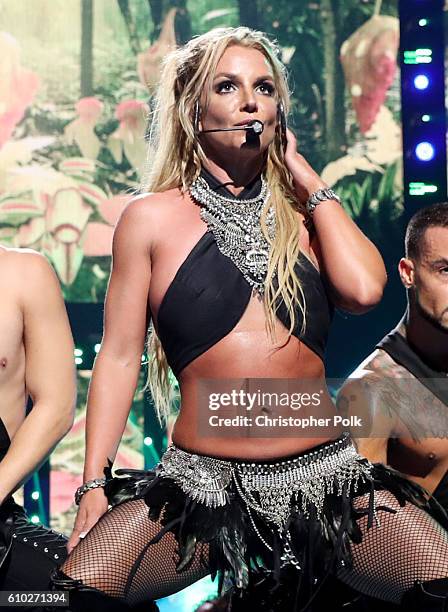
91, 508
306, 180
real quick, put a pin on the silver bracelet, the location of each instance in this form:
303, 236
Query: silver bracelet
88, 486
320, 196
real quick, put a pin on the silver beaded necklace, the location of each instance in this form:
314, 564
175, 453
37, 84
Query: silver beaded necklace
235, 225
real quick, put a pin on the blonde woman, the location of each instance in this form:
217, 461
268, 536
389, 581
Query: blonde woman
238, 256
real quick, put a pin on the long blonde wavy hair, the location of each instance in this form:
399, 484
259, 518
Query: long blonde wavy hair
175, 158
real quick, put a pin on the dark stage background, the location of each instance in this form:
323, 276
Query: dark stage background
75, 82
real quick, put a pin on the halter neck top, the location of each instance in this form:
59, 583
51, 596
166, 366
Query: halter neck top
209, 295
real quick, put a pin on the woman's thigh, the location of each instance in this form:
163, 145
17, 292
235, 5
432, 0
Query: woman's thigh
402, 547
115, 557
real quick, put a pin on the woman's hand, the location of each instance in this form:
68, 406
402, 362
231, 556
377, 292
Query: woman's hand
306, 180
91, 508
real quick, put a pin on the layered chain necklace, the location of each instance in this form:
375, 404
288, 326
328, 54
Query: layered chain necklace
236, 227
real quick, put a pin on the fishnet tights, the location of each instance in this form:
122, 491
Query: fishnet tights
405, 547
116, 559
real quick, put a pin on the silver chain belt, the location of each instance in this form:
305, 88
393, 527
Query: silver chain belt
270, 488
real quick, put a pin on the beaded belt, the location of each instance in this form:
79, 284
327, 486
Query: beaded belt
268, 488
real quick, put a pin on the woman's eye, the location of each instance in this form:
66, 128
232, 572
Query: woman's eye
267, 88
224, 86
227, 86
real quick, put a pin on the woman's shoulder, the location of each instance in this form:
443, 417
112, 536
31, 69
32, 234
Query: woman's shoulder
152, 202
145, 208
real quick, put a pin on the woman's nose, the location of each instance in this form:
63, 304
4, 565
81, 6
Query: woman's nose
248, 101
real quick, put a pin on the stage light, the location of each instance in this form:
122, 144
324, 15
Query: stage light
191, 597
421, 81
417, 56
78, 352
426, 118
78, 360
147, 441
420, 189
97, 348
422, 22
35, 518
35, 495
425, 151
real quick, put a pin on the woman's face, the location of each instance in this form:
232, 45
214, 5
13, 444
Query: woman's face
243, 90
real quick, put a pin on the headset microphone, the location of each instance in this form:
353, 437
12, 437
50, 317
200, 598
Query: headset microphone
255, 126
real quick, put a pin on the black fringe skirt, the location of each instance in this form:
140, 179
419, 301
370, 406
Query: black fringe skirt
243, 544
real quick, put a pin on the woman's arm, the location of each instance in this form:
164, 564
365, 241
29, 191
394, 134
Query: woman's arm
117, 366
350, 261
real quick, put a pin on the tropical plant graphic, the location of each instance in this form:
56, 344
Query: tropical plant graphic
70, 159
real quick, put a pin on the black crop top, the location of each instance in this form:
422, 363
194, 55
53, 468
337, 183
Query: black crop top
209, 295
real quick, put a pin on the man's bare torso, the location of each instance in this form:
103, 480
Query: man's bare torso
12, 352
409, 406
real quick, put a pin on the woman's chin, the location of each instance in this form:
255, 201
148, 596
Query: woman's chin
240, 142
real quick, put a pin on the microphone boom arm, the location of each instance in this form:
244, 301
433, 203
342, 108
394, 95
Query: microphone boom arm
256, 126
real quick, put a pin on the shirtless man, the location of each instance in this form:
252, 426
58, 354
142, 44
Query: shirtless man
403, 385
36, 360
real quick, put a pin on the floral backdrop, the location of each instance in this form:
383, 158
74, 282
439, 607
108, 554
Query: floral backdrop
76, 83
74, 112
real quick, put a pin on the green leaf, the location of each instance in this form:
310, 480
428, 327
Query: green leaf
387, 184
17, 218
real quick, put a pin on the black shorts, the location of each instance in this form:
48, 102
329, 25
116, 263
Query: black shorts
28, 552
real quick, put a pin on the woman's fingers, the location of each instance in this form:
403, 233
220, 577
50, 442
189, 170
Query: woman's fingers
92, 507
81, 529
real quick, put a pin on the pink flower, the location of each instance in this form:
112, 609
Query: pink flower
369, 59
81, 130
56, 219
18, 86
149, 62
129, 137
129, 109
89, 109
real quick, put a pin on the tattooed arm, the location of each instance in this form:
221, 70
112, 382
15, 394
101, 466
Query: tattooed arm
362, 397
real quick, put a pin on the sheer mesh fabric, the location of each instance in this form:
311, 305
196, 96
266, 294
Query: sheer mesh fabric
115, 556
406, 546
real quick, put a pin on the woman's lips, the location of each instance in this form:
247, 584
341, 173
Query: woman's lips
247, 122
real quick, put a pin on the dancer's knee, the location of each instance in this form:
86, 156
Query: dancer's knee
69, 577
82, 596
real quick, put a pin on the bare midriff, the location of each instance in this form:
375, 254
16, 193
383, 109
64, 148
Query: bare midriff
247, 353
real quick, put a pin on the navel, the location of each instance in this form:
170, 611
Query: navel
3, 363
